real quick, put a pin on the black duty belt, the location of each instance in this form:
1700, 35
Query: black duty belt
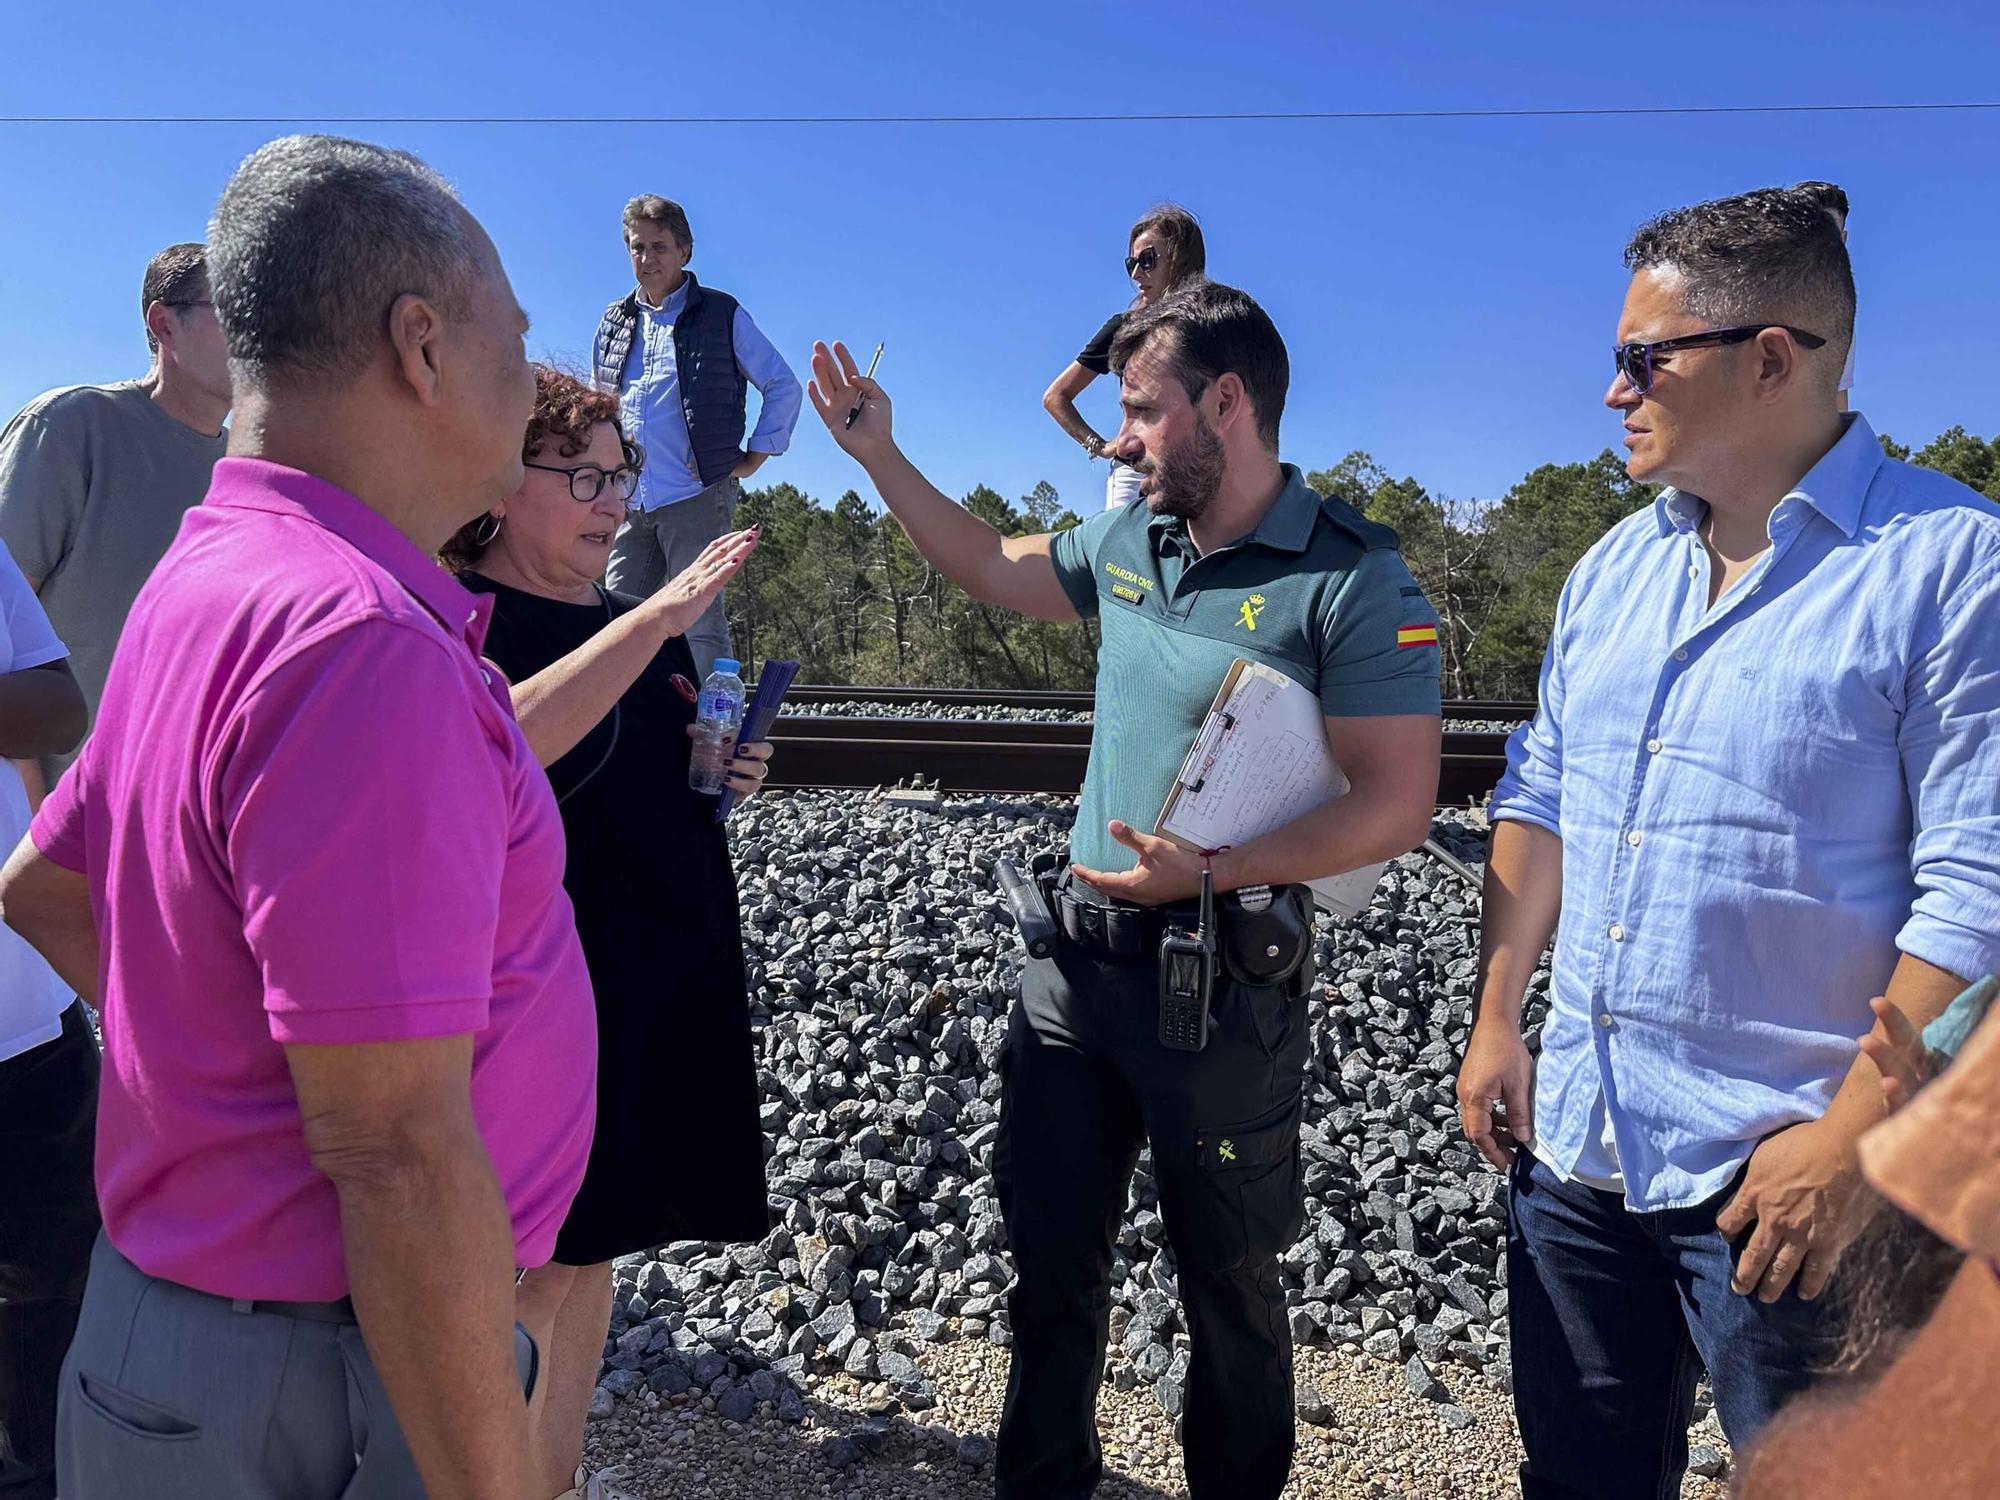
1127, 933
1265, 934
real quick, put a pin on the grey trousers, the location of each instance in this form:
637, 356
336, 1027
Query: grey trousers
174, 1394
655, 545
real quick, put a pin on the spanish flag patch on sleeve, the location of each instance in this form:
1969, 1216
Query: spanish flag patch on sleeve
1416, 635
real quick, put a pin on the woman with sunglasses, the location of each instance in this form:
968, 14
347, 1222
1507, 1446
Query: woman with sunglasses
604, 692
1163, 250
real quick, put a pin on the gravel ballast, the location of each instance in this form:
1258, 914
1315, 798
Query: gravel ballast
881, 964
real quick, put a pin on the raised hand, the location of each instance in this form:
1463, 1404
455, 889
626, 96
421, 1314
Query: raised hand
687, 595
836, 385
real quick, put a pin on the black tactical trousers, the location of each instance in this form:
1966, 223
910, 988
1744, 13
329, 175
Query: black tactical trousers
1085, 1082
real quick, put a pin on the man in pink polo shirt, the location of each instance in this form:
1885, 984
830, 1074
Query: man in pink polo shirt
312, 875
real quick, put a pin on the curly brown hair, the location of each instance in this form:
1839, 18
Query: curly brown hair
565, 411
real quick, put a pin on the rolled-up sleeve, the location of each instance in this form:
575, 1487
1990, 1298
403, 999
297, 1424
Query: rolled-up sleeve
764, 367
1530, 790
1951, 767
364, 821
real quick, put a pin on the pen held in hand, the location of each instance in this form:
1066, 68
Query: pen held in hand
863, 401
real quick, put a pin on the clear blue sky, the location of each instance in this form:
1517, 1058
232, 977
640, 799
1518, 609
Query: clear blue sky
1447, 289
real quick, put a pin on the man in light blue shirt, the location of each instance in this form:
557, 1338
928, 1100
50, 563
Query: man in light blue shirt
1763, 787
681, 357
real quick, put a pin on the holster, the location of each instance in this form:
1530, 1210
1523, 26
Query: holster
1267, 934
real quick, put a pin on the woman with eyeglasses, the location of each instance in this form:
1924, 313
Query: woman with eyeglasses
604, 691
1163, 251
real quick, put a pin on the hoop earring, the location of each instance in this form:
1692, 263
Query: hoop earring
492, 532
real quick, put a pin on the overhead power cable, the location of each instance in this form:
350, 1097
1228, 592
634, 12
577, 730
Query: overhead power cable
1334, 116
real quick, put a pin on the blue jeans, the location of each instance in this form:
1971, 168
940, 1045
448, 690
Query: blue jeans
1613, 1315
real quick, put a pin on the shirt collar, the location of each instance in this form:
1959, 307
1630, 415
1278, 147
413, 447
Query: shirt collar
1287, 526
256, 484
1836, 486
676, 299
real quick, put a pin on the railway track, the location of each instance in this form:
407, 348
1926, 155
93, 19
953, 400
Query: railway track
1014, 756
1072, 701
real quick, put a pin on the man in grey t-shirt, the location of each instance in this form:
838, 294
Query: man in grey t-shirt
94, 479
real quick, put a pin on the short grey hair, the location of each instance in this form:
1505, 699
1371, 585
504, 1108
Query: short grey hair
1770, 256
312, 242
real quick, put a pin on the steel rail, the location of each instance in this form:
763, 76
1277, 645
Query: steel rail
804, 694
1014, 757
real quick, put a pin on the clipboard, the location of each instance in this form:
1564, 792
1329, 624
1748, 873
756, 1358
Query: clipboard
1259, 761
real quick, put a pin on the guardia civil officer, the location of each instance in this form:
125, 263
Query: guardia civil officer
1232, 555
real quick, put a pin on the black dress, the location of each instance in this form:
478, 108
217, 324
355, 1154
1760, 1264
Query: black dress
679, 1152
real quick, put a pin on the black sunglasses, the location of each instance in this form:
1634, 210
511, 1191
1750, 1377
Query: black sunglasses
587, 481
1145, 260
1635, 361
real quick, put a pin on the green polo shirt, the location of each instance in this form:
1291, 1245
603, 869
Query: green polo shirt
1316, 591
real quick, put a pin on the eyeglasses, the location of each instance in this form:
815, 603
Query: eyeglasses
1145, 260
1635, 361
587, 481
191, 302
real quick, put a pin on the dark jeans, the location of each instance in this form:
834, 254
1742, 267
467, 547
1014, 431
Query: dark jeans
1085, 1082
48, 1218
1613, 1315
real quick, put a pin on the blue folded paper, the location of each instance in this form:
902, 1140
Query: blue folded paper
758, 716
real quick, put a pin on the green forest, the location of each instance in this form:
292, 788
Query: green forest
841, 589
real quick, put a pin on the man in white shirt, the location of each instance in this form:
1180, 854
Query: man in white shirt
48, 1079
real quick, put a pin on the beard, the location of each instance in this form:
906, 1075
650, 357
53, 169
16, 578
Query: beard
1186, 477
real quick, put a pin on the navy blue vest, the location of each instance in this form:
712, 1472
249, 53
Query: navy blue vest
712, 388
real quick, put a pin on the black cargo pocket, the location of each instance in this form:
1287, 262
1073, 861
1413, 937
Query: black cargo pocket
132, 1415
1243, 1202
1277, 1016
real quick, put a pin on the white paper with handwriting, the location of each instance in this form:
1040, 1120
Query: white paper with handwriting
1261, 761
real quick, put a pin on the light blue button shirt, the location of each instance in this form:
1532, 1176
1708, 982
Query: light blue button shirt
649, 399
1760, 803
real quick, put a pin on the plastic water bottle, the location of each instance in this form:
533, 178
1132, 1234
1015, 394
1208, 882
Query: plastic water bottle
718, 721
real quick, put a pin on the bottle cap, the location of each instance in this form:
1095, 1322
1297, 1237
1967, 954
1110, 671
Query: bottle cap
729, 665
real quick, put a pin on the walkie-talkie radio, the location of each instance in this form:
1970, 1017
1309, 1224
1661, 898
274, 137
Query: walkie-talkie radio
1187, 977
